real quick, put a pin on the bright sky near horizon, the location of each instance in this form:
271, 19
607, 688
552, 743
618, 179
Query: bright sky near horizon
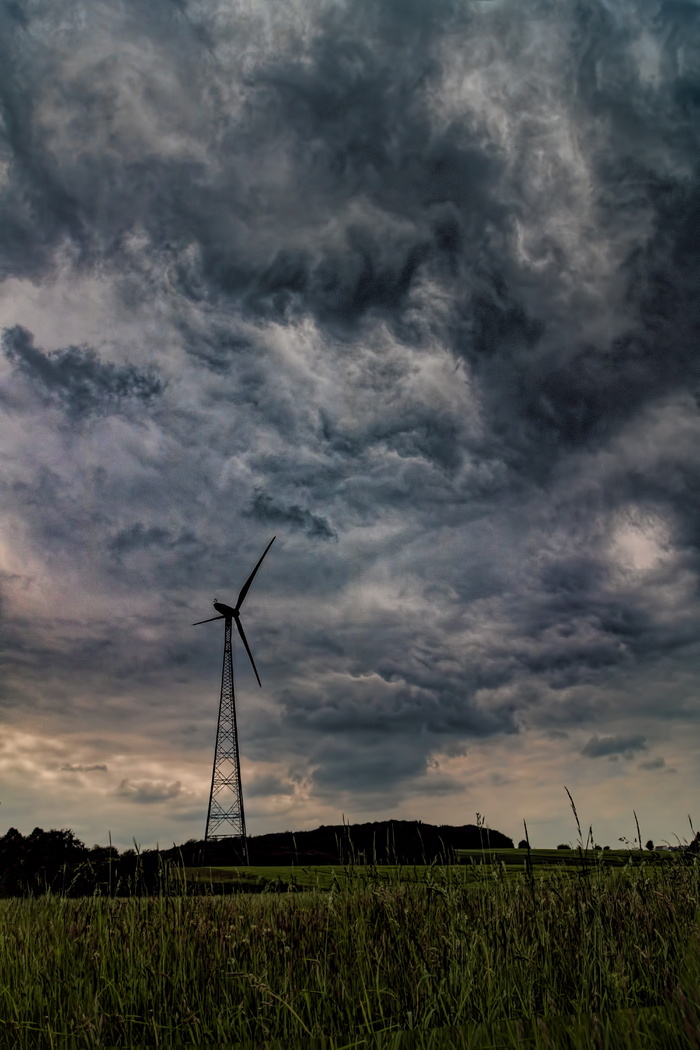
413, 285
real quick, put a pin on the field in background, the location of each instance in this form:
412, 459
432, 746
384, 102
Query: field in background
474, 866
592, 954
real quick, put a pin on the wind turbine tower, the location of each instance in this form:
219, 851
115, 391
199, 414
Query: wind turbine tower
225, 815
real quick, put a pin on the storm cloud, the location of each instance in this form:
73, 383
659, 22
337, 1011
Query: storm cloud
414, 287
148, 791
605, 746
75, 378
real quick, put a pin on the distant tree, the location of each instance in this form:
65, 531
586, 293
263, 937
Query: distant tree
606, 847
563, 845
523, 844
41, 861
649, 844
11, 855
50, 856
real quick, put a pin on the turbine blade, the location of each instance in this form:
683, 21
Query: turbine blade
239, 625
209, 620
246, 586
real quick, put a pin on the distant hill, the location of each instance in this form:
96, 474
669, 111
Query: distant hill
383, 842
56, 860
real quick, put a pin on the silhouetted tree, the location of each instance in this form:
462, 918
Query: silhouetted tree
58, 861
41, 861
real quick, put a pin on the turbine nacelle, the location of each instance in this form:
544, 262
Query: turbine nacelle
227, 613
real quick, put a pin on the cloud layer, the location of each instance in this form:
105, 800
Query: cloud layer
416, 289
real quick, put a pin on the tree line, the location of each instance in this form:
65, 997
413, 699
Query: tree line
57, 861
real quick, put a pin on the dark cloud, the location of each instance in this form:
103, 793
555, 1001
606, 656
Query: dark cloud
353, 117
68, 767
149, 791
75, 378
604, 746
264, 508
138, 537
654, 763
141, 537
261, 787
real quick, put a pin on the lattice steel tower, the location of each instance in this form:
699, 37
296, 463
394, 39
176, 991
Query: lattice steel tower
225, 815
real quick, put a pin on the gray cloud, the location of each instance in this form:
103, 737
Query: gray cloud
139, 537
75, 378
264, 508
654, 763
605, 746
148, 791
68, 767
261, 787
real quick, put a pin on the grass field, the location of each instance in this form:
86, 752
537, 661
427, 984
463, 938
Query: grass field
602, 954
475, 866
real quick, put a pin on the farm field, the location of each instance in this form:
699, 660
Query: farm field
466, 956
474, 866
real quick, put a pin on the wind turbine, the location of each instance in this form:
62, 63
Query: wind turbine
225, 816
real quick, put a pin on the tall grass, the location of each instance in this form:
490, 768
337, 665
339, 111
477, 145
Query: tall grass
366, 957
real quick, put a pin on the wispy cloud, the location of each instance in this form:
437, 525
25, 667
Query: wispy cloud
605, 746
148, 791
68, 767
75, 378
654, 763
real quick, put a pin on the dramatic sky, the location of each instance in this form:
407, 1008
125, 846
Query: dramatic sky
413, 285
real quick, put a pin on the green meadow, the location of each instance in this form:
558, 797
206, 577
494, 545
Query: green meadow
506, 948
474, 866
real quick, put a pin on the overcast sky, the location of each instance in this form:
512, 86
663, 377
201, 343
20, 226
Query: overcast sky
413, 286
